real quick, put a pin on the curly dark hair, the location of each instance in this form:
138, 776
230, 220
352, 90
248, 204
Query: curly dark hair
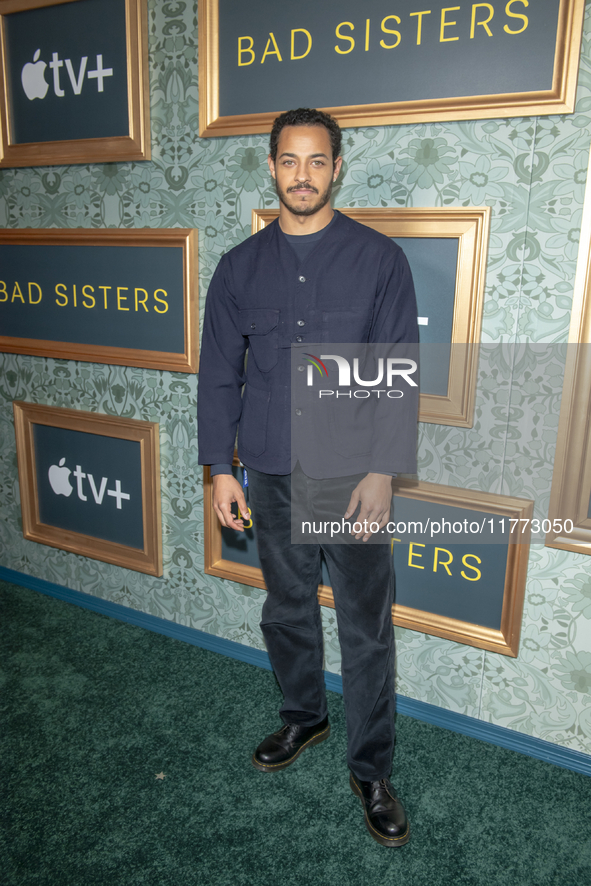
306, 117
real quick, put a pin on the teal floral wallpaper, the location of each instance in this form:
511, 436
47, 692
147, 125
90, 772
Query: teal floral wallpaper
531, 172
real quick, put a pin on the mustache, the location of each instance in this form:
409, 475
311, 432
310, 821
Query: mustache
304, 187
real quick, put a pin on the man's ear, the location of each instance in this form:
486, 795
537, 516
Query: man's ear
337, 168
271, 163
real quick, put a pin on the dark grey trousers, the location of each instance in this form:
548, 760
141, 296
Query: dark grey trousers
362, 582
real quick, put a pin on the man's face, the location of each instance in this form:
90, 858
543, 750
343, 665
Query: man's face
304, 171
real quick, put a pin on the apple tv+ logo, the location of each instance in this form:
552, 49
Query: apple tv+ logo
59, 480
35, 85
90, 483
66, 66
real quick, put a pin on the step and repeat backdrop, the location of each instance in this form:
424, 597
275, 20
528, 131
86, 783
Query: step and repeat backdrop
74, 89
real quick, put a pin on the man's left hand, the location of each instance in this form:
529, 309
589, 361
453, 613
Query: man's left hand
374, 494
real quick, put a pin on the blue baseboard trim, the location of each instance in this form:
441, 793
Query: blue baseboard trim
418, 710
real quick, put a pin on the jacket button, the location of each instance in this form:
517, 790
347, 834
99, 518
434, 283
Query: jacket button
299, 338
298, 411
253, 326
301, 322
302, 279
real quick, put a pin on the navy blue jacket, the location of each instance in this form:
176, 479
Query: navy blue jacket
355, 286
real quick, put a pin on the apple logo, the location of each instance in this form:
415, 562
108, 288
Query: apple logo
33, 78
58, 477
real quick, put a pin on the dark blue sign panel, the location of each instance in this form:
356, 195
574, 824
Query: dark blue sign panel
462, 582
446, 574
274, 56
126, 297
240, 547
433, 262
89, 483
67, 71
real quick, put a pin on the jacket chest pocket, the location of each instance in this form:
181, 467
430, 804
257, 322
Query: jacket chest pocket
259, 325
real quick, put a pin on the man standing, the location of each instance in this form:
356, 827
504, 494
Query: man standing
313, 275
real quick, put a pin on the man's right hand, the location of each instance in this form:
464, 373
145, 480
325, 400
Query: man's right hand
226, 491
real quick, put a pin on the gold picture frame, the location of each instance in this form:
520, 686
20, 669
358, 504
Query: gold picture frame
504, 640
110, 149
470, 225
571, 478
559, 99
147, 559
154, 238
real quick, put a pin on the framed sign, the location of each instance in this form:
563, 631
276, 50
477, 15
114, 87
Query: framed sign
103, 295
569, 515
376, 63
73, 82
471, 593
90, 484
446, 249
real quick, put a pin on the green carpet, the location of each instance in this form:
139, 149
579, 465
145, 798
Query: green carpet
93, 709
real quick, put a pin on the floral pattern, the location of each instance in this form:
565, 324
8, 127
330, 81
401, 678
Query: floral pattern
428, 161
531, 172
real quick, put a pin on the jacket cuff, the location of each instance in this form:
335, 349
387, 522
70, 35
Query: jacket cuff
220, 469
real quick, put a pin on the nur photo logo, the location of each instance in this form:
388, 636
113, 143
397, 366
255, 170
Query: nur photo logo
388, 371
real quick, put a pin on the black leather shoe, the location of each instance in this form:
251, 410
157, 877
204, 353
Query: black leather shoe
279, 750
385, 817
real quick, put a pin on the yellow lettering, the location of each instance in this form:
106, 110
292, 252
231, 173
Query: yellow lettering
344, 37
141, 301
121, 298
484, 24
16, 293
308, 35
3, 291
86, 295
104, 288
412, 554
74, 291
467, 565
444, 563
516, 15
366, 34
390, 31
161, 301
445, 25
62, 304
420, 23
242, 49
31, 301
268, 51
